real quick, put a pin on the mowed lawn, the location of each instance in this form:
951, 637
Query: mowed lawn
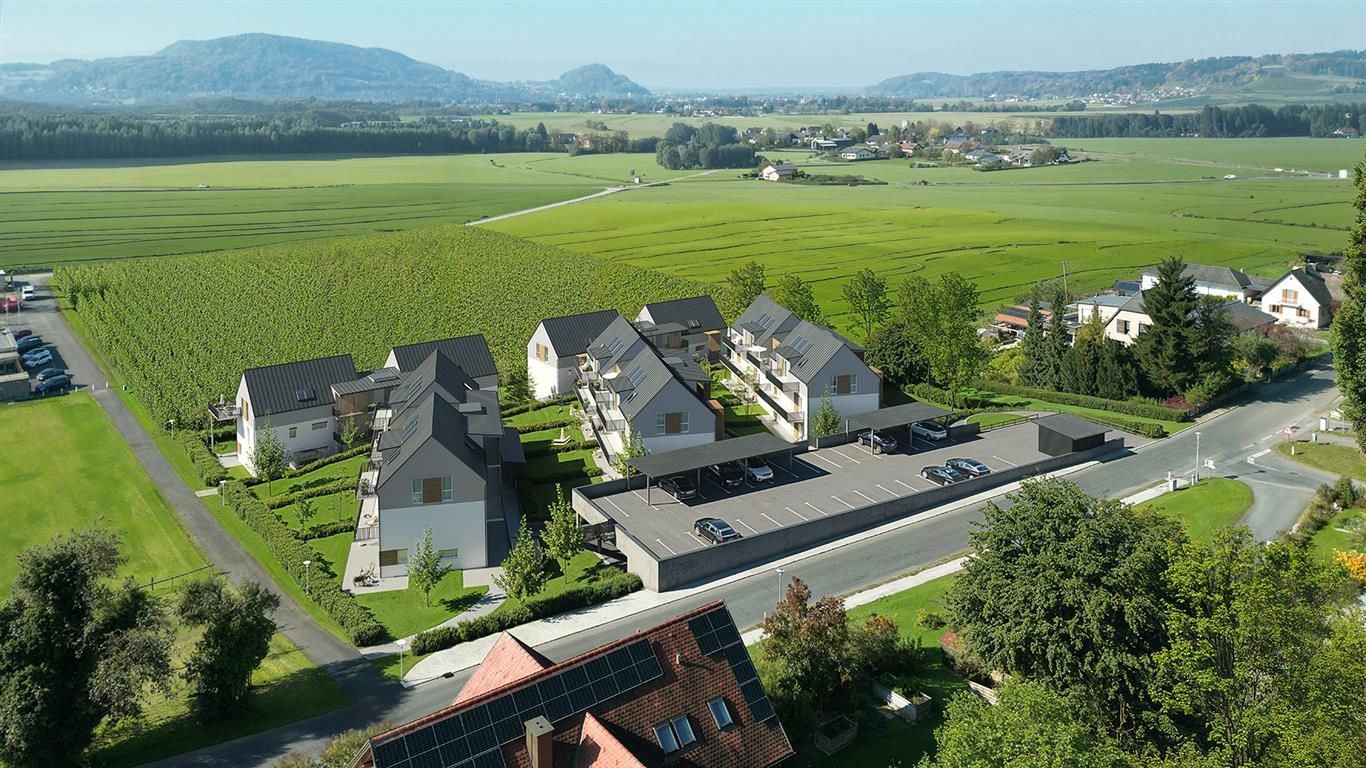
1205, 507
65, 468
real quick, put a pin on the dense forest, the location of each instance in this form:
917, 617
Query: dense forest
710, 146
1254, 120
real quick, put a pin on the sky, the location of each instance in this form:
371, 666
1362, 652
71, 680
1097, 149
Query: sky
702, 44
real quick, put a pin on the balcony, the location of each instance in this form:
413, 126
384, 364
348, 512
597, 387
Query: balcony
785, 383
782, 406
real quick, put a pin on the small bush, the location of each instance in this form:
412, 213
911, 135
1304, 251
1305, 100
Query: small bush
562, 421
537, 404
929, 619
1139, 408
323, 530
566, 474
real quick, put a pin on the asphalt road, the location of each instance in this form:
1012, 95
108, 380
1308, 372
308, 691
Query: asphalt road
1281, 491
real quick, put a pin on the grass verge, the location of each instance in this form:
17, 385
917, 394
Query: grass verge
1205, 507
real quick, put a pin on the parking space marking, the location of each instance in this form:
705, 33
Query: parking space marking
813, 506
765, 516
842, 455
798, 514
842, 501
889, 490
908, 485
614, 506
666, 546
827, 461
751, 530
866, 496
1011, 463
784, 471
697, 538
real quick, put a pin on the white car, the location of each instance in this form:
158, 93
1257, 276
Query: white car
26, 293
929, 430
757, 470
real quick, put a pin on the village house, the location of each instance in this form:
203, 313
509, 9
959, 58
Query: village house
858, 153
778, 171
557, 348
1299, 298
1215, 281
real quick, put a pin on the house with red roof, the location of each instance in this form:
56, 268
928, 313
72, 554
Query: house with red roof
682, 693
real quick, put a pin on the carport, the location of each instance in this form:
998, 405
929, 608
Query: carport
1063, 433
895, 417
694, 458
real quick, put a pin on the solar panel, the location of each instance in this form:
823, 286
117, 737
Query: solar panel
390, 753
649, 669
581, 698
455, 752
761, 710
704, 634
752, 691
420, 741
429, 759
488, 760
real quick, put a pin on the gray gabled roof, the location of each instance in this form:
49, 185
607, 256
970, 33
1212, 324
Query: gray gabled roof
1312, 282
698, 313
437, 372
370, 382
431, 419
808, 347
298, 385
571, 334
652, 378
471, 353
1246, 317
1219, 277
765, 317
617, 342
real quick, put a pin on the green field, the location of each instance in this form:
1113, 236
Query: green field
1213, 503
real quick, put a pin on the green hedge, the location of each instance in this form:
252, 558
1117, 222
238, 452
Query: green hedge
275, 502
563, 421
532, 405
610, 588
323, 530
546, 449
359, 450
1129, 407
319, 582
205, 463
1145, 428
566, 474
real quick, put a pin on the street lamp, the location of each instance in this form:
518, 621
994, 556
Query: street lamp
221, 501
1197, 458
307, 563
780, 585
171, 424
402, 644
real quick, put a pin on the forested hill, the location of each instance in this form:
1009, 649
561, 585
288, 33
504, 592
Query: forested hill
259, 66
1337, 73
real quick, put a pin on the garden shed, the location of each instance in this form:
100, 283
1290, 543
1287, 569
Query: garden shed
1063, 433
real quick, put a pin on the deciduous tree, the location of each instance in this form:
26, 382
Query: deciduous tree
524, 567
893, 350
942, 320
268, 454
806, 643
866, 294
237, 627
424, 567
796, 295
562, 538
746, 282
827, 420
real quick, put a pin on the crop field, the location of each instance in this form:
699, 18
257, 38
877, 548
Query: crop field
181, 329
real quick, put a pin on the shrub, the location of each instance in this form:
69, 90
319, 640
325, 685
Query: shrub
284, 500
1139, 408
562, 421
929, 619
323, 530
210, 471
565, 474
359, 450
537, 404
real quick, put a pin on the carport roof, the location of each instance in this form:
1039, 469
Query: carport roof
897, 416
1070, 426
707, 454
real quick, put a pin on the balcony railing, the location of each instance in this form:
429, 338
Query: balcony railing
781, 405
788, 384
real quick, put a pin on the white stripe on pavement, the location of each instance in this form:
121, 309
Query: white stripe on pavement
889, 490
666, 546
842, 501
827, 461
765, 516
813, 506
866, 496
798, 514
1005, 461
751, 530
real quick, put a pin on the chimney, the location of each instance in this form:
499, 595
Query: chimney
540, 745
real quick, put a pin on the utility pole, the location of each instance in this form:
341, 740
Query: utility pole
1064, 278
1197, 459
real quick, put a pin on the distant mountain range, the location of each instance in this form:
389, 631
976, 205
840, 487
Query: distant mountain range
260, 66
1290, 76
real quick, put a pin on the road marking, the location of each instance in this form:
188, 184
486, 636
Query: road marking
666, 546
843, 456
866, 496
784, 471
827, 461
751, 530
908, 485
889, 490
765, 516
619, 509
798, 514
813, 506
1253, 458
1268, 437
1250, 445
1004, 461
842, 501
697, 538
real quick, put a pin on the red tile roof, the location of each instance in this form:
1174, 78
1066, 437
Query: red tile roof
598, 748
508, 661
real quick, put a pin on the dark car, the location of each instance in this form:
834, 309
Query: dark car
679, 487
968, 467
715, 530
22, 333
758, 470
29, 343
941, 475
728, 475
54, 384
48, 373
879, 443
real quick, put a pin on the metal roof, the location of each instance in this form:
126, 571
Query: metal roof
294, 386
707, 454
897, 416
571, 334
807, 348
437, 370
1070, 426
380, 379
471, 353
1219, 277
431, 419
765, 317
697, 312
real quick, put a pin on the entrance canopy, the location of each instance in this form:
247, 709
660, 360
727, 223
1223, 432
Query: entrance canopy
699, 456
897, 416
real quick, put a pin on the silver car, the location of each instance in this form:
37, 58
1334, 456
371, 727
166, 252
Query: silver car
757, 470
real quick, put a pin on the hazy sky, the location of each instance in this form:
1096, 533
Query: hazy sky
705, 44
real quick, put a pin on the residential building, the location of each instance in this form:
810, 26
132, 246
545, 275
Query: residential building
442, 461
1347, 132
1215, 281
778, 171
824, 145
471, 353
791, 364
691, 326
681, 693
1124, 317
297, 400
1299, 298
858, 153
628, 386
557, 349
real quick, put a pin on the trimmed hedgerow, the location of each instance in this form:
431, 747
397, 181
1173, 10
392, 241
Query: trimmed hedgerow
284, 500
323, 530
1128, 407
532, 405
563, 421
207, 466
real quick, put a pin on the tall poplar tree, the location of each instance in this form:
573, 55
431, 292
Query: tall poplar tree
1349, 326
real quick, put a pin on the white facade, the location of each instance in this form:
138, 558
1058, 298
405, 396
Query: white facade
1122, 325
457, 526
1204, 289
1290, 302
299, 431
549, 374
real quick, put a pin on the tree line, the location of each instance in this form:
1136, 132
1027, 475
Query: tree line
707, 146
1253, 120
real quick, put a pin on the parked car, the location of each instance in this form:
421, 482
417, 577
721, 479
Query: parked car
54, 384
879, 443
728, 475
26, 293
715, 530
22, 333
968, 467
758, 470
679, 487
929, 430
48, 373
29, 343
8, 304
39, 359
941, 475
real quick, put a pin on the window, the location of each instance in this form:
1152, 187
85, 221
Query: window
1302, 311
1274, 309
431, 490
721, 713
674, 423
293, 431
844, 385
393, 557
542, 353
675, 735
1290, 294
1124, 327
1143, 327
445, 553
317, 425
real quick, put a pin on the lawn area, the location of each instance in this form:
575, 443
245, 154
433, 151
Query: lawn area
72, 470
403, 614
346, 469
1033, 404
993, 419
1346, 532
341, 505
585, 568
541, 415
1335, 459
1210, 504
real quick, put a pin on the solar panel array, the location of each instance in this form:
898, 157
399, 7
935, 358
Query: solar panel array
716, 633
474, 738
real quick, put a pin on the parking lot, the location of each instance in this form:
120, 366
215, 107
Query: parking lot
811, 484
41, 315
